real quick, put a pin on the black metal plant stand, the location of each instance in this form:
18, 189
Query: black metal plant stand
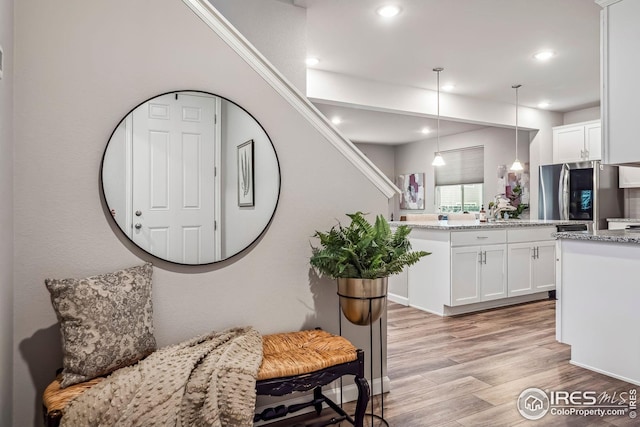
371, 414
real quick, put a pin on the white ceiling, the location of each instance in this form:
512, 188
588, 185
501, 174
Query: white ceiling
361, 125
485, 46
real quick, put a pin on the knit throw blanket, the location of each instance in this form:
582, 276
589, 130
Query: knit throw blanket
206, 381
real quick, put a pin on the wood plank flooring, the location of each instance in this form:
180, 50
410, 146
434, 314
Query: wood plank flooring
469, 370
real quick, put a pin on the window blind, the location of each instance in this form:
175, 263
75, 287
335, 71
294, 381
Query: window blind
464, 166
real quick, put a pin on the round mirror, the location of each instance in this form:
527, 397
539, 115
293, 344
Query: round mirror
191, 177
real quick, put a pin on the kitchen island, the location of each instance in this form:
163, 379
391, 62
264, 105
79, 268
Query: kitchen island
475, 266
598, 310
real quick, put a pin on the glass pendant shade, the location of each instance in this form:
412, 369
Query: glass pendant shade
438, 160
517, 166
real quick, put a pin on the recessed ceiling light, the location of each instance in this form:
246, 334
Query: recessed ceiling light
388, 11
448, 87
544, 55
543, 104
311, 61
425, 131
336, 120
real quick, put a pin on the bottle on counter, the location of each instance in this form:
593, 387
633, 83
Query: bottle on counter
483, 214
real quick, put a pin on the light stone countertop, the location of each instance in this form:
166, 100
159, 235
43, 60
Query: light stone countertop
477, 225
623, 219
614, 236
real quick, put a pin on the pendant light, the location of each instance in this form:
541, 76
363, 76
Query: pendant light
438, 160
516, 166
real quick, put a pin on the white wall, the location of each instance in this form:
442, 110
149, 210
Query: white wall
338, 88
383, 156
277, 29
499, 149
6, 213
583, 115
75, 78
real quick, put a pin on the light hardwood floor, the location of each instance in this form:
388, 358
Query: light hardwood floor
469, 370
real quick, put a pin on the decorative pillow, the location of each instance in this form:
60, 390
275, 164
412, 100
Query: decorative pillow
106, 321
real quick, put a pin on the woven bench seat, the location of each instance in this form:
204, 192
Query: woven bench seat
294, 361
297, 353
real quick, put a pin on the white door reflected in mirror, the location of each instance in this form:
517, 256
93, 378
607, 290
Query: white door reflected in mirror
170, 177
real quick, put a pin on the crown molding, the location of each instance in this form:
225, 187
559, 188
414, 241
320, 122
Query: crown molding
230, 35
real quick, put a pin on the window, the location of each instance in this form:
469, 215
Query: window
460, 197
460, 183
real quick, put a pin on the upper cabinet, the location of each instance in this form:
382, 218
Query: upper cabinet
620, 38
577, 142
629, 177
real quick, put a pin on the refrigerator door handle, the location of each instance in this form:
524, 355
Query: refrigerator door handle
562, 193
561, 187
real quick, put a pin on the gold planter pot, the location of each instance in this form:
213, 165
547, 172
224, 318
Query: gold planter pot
362, 300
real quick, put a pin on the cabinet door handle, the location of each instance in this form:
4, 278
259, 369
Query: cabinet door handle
485, 257
586, 154
533, 252
480, 257
482, 237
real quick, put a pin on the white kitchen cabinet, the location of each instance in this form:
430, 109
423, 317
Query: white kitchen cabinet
593, 140
520, 278
577, 142
531, 268
628, 177
466, 268
621, 225
478, 273
620, 40
531, 261
544, 267
469, 266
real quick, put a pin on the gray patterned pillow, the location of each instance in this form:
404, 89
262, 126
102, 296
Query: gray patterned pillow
106, 321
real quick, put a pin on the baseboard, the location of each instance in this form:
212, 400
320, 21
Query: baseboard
398, 299
349, 394
428, 310
487, 305
603, 372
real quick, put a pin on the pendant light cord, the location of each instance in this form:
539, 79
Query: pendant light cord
516, 87
438, 83
517, 122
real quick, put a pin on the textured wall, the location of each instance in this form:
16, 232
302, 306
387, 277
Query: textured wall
277, 29
583, 115
77, 74
6, 212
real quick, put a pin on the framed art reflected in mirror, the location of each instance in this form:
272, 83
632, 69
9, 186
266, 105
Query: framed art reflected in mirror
245, 174
179, 173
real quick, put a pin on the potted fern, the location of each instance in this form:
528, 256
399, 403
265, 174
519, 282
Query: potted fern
361, 256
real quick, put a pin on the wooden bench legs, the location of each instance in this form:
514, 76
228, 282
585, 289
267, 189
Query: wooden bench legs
314, 381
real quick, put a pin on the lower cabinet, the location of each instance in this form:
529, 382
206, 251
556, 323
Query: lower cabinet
478, 273
531, 267
478, 268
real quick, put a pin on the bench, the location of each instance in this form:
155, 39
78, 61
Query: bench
292, 362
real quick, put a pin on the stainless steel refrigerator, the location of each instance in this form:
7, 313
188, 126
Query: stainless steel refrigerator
585, 191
